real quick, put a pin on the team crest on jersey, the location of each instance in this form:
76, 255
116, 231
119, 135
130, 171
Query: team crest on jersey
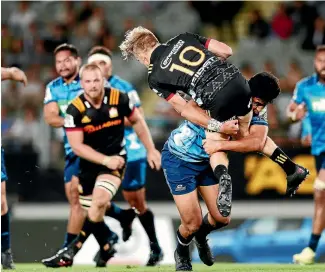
113, 112
85, 119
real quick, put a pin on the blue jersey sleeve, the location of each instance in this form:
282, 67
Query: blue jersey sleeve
260, 119
299, 93
49, 94
133, 95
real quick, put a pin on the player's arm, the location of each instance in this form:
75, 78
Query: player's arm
220, 49
75, 134
135, 100
255, 141
296, 110
51, 110
14, 74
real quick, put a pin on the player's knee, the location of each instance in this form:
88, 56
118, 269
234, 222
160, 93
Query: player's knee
100, 203
192, 225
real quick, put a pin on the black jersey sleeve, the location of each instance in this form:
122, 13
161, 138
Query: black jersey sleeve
126, 107
72, 119
166, 94
203, 40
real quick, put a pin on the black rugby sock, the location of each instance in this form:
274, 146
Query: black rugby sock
183, 244
69, 237
206, 228
87, 229
115, 212
101, 233
219, 171
284, 161
5, 232
148, 223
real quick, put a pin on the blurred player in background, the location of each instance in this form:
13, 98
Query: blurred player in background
309, 97
16, 74
59, 93
95, 129
135, 175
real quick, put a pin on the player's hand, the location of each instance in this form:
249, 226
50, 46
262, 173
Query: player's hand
306, 141
18, 75
211, 146
230, 127
115, 162
154, 159
299, 112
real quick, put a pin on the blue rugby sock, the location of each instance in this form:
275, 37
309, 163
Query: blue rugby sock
115, 212
5, 232
313, 242
69, 237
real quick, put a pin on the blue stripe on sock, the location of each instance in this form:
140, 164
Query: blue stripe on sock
4, 233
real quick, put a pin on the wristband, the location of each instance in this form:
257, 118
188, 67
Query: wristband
214, 125
106, 160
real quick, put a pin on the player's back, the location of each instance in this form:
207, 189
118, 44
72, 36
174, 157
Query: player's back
183, 63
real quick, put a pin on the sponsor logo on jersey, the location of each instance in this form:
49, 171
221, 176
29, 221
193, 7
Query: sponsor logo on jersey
85, 119
91, 128
113, 112
165, 62
318, 104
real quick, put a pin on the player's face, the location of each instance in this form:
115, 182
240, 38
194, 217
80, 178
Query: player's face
258, 105
320, 64
142, 57
92, 82
66, 65
105, 67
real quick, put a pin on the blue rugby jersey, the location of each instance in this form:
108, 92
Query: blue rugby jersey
134, 147
62, 93
311, 92
185, 142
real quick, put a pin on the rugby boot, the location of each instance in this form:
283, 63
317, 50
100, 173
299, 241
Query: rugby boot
204, 251
295, 179
100, 256
225, 195
156, 254
126, 224
7, 260
307, 256
182, 263
63, 258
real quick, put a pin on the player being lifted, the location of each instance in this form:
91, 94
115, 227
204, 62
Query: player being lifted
198, 67
184, 150
16, 74
309, 96
95, 129
135, 174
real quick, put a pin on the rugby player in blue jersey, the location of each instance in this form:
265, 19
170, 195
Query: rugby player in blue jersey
187, 171
16, 74
133, 184
309, 97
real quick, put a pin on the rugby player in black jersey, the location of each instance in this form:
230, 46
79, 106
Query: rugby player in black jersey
95, 128
198, 67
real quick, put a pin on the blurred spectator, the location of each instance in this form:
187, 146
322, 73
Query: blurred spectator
247, 70
56, 37
86, 11
105, 38
316, 36
6, 38
16, 56
282, 24
269, 66
6, 122
293, 76
96, 20
23, 17
29, 39
258, 26
81, 38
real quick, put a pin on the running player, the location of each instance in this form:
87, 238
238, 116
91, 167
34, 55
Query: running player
309, 96
95, 129
16, 74
135, 175
198, 67
184, 151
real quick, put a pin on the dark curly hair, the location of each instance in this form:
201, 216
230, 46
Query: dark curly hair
264, 86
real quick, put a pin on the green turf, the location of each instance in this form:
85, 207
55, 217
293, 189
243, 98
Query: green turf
198, 268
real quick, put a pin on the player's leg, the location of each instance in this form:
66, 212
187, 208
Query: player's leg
6, 256
77, 215
296, 174
180, 177
134, 194
213, 220
307, 256
219, 163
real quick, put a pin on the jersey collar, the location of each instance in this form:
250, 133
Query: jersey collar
76, 80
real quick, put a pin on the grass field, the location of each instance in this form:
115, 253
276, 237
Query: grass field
198, 268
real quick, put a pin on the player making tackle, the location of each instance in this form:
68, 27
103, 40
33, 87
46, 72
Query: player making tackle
95, 128
197, 66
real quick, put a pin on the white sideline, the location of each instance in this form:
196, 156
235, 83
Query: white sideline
240, 210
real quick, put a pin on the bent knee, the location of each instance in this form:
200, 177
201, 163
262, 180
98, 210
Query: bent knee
100, 203
193, 225
218, 218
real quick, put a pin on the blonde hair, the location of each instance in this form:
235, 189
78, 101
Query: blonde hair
89, 67
137, 39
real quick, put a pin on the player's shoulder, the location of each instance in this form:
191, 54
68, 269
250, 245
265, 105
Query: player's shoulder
77, 105
121, 84
55, 83
307, 81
